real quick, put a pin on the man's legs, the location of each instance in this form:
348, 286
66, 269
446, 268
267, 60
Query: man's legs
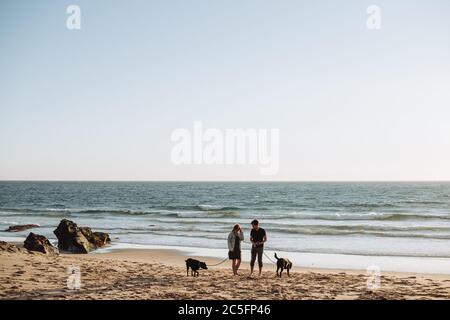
260, 256
253, 259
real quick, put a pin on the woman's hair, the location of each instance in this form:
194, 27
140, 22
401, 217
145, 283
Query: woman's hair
236, 227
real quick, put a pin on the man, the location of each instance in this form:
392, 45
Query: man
257, 237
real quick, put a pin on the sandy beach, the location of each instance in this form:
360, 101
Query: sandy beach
161, 274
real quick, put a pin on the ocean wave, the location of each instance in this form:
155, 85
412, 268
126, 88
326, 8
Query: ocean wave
208, 236
211, 207
38, 210
74, 210
118, 212
423, 202
201, 207
222, 211
9, 222
220, 231
359, 205
195, 212
305, 232
415, 232
358, 216
356, 252
226, 212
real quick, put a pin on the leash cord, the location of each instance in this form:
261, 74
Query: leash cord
216, 264
213, 265
269, 258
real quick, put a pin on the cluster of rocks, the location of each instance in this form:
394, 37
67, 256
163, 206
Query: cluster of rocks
36, 242
71, 238
76, 239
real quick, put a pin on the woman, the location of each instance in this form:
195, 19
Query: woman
234, 245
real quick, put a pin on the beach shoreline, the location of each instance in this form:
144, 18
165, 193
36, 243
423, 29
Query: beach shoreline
323, 262
176, 258
161, 274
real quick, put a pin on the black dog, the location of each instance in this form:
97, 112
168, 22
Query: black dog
195, 265
283, 264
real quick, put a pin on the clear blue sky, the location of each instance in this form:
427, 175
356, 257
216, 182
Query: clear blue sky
101, 102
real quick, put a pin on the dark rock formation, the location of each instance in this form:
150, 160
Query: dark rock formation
21, 227
101, 239
76, 239
36, 242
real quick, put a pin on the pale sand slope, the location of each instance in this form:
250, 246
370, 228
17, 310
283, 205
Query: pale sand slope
161, 274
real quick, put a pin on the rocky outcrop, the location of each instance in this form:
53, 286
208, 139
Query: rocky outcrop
76, 239
21, 227
36, 242
100, 239
8, 247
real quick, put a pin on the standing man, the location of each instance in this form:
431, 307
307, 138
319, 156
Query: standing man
257, 238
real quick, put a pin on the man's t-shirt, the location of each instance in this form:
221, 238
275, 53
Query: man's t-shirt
258, 235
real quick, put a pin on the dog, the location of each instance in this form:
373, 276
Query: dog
195, 265
283, 264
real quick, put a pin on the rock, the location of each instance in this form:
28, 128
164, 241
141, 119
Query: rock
7, 247
76, 239
21, 227
36, 242
71, 238
101, 239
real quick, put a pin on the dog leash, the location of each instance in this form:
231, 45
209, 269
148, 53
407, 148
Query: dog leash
213, 265
273, 261
216, 264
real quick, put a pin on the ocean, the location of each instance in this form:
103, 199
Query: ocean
365, 219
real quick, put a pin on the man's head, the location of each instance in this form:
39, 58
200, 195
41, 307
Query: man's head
255, 224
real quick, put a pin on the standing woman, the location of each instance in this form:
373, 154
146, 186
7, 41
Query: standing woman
234, 246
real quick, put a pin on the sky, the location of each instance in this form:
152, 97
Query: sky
102, 102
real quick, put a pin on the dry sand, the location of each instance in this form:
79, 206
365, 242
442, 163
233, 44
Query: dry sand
161, 274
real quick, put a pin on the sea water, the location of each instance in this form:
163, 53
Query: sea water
380, 221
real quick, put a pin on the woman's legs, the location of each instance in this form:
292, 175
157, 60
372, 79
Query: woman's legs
233, 266
237, 265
